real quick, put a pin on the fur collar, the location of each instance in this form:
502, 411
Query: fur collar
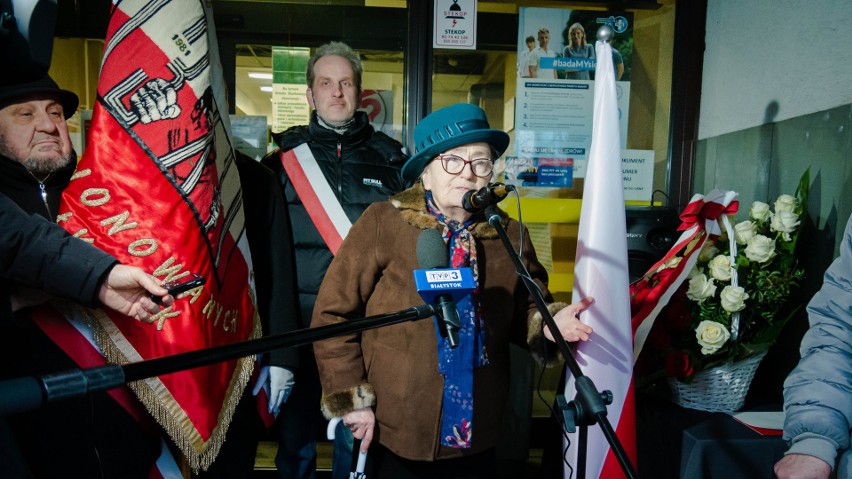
411, 204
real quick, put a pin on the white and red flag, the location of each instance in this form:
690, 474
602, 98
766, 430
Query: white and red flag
601, 272
158, 188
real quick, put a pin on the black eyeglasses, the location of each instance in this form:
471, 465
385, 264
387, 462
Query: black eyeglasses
481, 167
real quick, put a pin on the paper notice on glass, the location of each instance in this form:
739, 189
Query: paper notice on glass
547, 171
637, 168
555, 88
289, 107
555, 119
539, 171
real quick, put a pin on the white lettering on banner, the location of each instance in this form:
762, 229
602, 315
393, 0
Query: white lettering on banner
445, 285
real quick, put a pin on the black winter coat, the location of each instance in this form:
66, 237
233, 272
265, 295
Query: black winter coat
361, 166
19, 185
38, 253
42, 255
267, 222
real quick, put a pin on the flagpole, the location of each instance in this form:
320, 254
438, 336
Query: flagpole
589, 405
27, 393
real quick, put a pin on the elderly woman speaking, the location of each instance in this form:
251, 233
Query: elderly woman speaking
435, 411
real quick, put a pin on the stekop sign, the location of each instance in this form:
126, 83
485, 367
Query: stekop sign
455, 24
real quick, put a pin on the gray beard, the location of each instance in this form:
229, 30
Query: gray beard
37, 166
45, 166
339, 127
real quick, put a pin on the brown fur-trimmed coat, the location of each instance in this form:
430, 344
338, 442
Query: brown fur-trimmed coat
394, 368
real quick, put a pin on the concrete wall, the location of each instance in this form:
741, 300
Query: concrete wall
771, 60
765, 161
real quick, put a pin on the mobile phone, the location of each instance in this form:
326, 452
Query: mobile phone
180, 286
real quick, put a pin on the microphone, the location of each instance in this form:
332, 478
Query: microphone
441, 285
491, 194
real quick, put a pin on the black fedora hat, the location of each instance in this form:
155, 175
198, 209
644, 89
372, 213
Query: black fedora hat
10, 93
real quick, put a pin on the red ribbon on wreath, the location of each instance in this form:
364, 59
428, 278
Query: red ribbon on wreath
699, 222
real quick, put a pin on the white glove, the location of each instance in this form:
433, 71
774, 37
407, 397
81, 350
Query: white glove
262, 381
278, 382
281, 382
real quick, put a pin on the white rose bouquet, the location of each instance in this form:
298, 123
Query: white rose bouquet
733, 305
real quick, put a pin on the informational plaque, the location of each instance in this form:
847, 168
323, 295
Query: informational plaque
289, 104
455, 24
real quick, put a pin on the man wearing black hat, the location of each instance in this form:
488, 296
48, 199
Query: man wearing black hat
87, 437
36, 155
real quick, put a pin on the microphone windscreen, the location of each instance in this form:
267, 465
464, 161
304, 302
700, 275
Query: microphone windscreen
432, 252
502, 190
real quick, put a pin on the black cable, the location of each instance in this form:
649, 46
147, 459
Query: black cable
668, 199
553, 414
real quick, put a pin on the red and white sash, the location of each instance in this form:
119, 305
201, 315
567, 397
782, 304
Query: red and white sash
316, 194
74, 337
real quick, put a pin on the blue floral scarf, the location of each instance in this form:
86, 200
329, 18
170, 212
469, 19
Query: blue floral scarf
457, 365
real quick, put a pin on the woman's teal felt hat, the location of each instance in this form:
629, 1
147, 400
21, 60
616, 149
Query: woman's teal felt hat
448, 128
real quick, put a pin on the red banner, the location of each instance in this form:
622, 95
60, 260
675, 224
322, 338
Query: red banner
158, 188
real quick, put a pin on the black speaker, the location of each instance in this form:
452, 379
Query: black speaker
651, 232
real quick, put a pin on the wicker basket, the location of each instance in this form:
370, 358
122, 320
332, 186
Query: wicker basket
719, 389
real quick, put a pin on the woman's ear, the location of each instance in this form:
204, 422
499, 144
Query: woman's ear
426, 178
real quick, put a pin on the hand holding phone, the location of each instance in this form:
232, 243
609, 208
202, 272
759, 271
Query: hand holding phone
181, 286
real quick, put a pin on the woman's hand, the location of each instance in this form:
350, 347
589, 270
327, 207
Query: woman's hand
361, 422
570, 327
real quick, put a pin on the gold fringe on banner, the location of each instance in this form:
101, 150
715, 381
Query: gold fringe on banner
162, 405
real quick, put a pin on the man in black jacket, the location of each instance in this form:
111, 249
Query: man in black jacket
36, 155
357, 166
91, 436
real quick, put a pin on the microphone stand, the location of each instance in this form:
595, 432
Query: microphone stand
589, 405
27, 393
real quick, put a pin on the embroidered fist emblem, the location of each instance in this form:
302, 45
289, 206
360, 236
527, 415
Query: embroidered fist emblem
155, 100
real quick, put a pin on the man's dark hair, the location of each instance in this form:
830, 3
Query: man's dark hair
342, 50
